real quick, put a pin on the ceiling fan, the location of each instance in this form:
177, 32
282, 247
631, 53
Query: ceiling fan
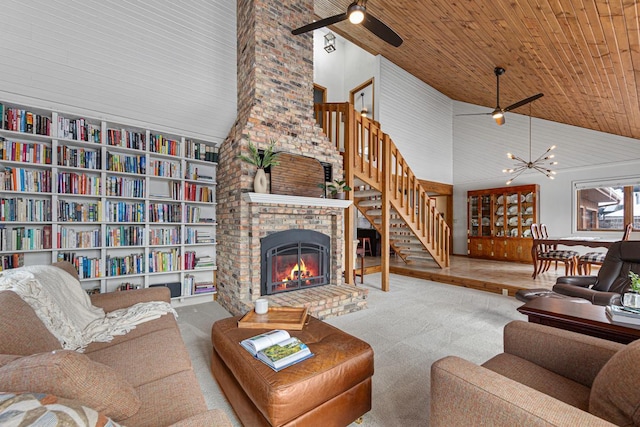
498, 112
356, 13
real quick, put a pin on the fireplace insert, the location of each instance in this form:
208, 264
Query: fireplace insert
294, 259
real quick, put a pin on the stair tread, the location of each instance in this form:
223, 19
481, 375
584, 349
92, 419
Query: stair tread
426, 257
366, 193
414, 251
391, 221
369, 203
409, 245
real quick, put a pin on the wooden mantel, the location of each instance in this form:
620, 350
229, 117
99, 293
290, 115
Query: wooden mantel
279, 199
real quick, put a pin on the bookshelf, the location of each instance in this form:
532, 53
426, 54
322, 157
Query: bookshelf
130, 207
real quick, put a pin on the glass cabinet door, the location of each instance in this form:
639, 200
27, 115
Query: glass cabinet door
474, 216
514, 221
500, 217
527, 209
485, 213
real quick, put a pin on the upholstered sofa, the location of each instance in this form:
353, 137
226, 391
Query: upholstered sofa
544, 377
142, 378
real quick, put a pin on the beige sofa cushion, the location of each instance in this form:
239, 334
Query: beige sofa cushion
21, 331
72, 375
615, 395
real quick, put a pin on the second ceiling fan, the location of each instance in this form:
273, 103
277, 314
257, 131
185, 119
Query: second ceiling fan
498, 112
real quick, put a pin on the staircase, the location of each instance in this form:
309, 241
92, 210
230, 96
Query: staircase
385, 190
402, 238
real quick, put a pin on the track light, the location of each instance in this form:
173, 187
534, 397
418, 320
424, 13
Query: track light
356, 13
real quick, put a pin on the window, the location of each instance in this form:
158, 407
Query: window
607, 206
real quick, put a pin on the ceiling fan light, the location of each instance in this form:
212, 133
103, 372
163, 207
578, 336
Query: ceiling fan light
497, 114
356, 13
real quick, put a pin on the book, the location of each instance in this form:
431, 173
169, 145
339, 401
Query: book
623, 314
277, 349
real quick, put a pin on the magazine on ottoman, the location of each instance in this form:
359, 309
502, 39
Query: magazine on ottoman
277, 349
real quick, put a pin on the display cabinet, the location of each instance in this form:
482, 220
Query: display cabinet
130, 207
499, 221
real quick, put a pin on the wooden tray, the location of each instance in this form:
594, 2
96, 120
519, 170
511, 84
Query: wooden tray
292, 318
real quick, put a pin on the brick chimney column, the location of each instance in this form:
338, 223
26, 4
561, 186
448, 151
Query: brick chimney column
275, 101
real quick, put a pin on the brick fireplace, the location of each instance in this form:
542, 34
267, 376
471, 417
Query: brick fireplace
275, 102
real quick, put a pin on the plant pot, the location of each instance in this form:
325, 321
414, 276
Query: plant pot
631, 299
260, 182
339, 195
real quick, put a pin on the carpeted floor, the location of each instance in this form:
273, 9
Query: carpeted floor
414, 324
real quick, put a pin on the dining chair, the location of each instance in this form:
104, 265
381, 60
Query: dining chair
597, 258
546, 254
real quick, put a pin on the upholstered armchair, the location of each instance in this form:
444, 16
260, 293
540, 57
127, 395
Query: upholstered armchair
612, 280
545, 377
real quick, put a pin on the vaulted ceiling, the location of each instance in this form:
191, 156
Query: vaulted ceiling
584, 55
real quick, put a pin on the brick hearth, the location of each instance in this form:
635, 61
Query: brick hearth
324, 301
275, 101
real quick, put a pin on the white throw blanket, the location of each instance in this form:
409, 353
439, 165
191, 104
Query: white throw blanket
65, 308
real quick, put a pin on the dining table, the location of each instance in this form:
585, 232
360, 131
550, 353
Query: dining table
591, 242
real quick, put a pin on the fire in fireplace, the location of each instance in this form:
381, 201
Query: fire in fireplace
294, 259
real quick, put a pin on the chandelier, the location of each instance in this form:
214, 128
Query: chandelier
538, 164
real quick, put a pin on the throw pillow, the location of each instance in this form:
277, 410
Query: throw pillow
39, 409
72, 375
615, 395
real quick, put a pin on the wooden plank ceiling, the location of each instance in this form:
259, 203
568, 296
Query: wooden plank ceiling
584, 55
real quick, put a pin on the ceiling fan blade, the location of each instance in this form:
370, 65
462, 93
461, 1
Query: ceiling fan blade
523, 102
474, 114
319, 24
381, 30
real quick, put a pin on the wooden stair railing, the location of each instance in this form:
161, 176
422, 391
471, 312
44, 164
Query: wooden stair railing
371, 157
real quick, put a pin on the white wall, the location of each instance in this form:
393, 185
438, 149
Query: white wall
342, 70
170, 65
328, 67
419, 120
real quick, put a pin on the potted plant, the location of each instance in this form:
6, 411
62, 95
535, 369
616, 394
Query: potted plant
268, 158
336, 188
632, 298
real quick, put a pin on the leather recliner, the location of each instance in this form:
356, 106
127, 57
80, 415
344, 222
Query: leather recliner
612, 280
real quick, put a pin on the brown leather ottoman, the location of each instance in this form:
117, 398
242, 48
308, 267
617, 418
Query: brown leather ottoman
332, 388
